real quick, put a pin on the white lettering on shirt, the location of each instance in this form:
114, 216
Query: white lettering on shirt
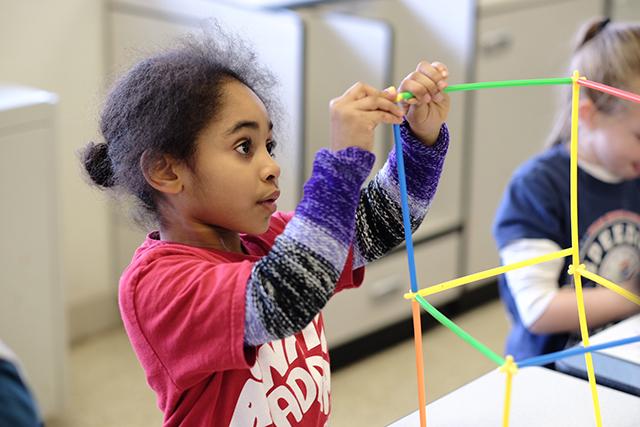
283, 387
249, 410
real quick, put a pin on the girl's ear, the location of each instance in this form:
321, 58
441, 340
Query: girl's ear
588, 113
162, 173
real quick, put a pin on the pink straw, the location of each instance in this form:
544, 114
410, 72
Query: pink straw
629, 96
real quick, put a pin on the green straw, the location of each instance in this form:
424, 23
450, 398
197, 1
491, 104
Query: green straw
508, 83
405, 95
460, 332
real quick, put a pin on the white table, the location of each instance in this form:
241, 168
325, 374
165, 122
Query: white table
540, 397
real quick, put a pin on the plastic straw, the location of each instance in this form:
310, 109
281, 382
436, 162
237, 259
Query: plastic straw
552, 357
417, 328
507, 401
629, 96
417, 338
508, 83
405, 207
487, 273
403, 96
610, 285
486, 351
577, 270
575, 243
509, 368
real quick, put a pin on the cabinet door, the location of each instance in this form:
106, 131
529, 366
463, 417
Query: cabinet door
510, 125
340, 51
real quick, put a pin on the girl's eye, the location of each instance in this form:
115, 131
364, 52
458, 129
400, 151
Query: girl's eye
271, 147
244, 148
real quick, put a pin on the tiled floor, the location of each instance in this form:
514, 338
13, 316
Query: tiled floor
108, 388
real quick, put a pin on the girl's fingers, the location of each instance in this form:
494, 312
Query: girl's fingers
433, 71
360, 90
431, 81
433, 76
421, 88
390, 93
444, 72
427, 82
384, 117
381, 103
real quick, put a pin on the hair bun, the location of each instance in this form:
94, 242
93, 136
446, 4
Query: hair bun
97, 163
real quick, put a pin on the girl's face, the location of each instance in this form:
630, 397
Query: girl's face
614, 142
234, 182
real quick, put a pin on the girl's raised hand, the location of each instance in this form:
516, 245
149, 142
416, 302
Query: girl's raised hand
355, 115
429, 107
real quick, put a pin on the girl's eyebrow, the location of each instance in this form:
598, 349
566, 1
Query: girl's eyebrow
243, 124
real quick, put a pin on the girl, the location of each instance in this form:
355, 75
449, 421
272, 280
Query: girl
222, 303
534, 217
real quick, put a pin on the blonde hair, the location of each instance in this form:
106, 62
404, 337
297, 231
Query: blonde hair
604, 52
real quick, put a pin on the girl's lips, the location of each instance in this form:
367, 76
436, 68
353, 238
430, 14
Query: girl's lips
270, 205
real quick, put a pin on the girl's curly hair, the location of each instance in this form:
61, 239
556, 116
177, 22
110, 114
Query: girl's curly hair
162, 104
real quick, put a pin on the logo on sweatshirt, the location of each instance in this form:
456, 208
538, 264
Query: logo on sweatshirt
611, 247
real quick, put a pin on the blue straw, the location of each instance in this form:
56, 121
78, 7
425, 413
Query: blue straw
552, 357
405, 207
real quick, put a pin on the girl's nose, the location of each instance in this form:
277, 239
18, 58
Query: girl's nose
271, 169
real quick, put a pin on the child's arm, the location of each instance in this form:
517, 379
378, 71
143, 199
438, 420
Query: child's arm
601, 305
543, 307
292, 283
425, 139
379, 225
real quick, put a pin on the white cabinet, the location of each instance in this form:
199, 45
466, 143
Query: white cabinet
516, 40
32, 320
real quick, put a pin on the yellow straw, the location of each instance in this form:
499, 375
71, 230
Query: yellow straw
575, 98
609, 285
486, 274
509, 368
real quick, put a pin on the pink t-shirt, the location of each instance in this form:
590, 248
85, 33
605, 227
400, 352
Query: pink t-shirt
184, 310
